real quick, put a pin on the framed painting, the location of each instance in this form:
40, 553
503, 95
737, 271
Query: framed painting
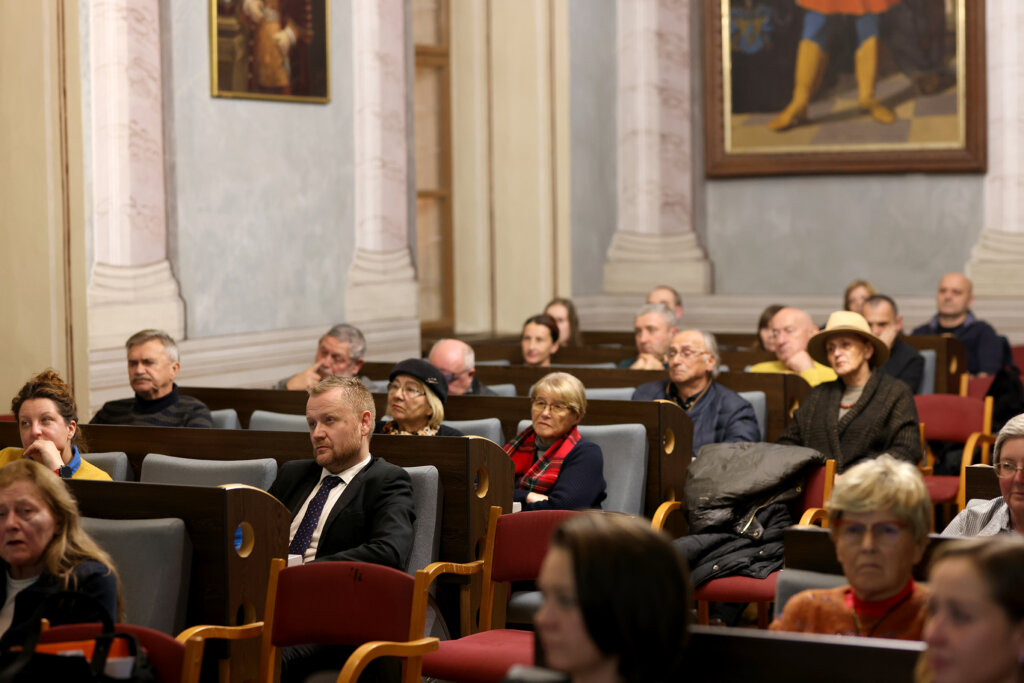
270, 49
844, 86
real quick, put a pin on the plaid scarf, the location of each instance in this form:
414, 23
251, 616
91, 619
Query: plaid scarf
541, 475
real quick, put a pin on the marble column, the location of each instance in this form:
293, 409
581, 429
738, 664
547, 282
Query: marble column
381, 280
655, 242
131, 286
997, 261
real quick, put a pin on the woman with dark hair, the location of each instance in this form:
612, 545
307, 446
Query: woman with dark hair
615, 602
48, 425
539, 340
43, 550
765, 339
975, 628
564, 313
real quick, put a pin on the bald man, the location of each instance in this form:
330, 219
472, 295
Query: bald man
718, 413
792, 328
954, 299
457, 362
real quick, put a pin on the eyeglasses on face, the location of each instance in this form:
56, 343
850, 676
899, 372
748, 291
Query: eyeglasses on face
408, 389
686, 353
449, 376
1007, 468
556, 409
881, 532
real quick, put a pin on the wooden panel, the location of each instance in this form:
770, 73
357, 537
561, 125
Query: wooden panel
950, 360
981, 482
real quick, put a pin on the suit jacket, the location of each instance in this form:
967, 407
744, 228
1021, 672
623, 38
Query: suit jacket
720, 416
372, 520
883, 420
905, 363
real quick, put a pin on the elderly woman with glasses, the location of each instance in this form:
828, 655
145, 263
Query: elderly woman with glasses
556, 469
879, 516
1006, 513
417, 392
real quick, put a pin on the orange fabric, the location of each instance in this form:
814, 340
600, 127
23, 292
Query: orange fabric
826, 611
857, 7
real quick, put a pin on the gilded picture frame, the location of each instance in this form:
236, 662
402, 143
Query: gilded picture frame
270, 50
790, 91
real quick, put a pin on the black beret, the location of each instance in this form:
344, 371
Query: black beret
424, 372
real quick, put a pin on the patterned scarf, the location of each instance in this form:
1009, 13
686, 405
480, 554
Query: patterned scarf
541, 475
391, 427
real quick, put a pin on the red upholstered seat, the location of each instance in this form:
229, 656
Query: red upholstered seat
942, 489
482, 657
166, 654
739, 589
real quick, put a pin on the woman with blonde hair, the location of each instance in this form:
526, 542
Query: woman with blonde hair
556, 469
417, 392
856, 293
43, 550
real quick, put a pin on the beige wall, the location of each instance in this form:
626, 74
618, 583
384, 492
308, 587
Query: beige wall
42, 276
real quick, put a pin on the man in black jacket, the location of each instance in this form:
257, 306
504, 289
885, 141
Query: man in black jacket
905, 362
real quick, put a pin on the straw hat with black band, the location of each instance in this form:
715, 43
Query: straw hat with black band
847, 322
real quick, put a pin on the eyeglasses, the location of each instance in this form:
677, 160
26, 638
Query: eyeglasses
685, 353
449, 376
557, 409
1007, 468
881, 532
408, 389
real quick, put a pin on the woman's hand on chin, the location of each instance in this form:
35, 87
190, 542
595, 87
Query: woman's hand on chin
532, 497
45, 453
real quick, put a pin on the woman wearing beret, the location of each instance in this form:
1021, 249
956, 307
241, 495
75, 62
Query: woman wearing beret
417, 392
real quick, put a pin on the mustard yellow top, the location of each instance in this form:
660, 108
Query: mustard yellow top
815, 376
85, 470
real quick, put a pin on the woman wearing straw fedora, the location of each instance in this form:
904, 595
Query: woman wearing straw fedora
865, 412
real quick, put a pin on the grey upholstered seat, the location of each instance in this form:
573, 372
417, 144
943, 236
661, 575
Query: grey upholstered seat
760, 403
114, 463
154, 559
928, 378
487, 427
503, 389
168, 469
597, 366
428, 502
266, 421
792, 581
609, 393
379, 386
225, 418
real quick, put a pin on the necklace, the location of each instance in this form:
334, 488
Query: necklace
856, 619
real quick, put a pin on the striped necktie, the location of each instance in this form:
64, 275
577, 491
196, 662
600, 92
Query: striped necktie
304, 534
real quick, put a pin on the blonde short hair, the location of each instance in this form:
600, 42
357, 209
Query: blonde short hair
355, 394
566, 388
883, 484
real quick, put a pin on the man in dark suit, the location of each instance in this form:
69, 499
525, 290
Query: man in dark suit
905, 362
363, 504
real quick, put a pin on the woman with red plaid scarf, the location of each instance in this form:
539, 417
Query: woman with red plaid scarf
556, 469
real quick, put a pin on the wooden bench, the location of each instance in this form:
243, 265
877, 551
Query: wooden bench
981, 482
669, 430
950, 360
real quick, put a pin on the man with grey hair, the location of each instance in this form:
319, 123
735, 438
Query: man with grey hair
653, 329
719, 414
663, 294
152, 366
339, 353
457, 362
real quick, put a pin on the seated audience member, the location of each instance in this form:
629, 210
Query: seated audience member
564, 313
43, 550
856, 293
557, 469
879, 516
663, 294
48, 425
417, 392
345, 504
864, 412
791, 329
615, 597
905, 362
975, 627
954, 299
654, 327
1004, 514
152, 366
339, 352
457, 362
539, 340
719, 414
765, 338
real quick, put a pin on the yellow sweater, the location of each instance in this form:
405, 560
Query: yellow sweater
85, 470
815, 376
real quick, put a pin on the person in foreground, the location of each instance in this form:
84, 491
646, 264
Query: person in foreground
879, 516
417, 392
615, 603
862, 413
1004, 514
43, 550
556, 469
48, 425
975, 628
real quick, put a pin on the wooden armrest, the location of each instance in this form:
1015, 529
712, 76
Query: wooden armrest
926, 470
662, 513
367, 652
436, 569
812, 516
205, 632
